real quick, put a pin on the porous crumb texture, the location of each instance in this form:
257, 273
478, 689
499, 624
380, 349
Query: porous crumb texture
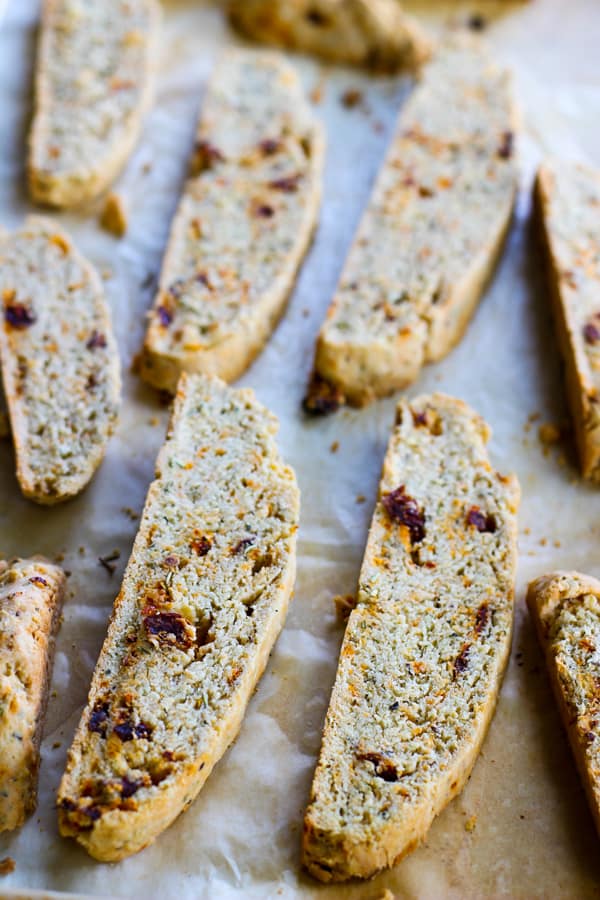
432, 232
424, 649
243, 225
566, 609
31, 592
373, 33
203, 599
568, 199
93, 86
60, 362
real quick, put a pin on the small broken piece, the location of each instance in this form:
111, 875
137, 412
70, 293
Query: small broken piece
113, 217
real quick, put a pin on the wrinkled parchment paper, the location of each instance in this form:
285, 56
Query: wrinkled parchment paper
521, 828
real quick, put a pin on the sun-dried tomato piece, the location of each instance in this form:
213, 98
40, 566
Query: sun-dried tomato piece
484, 522
384, 766
289, 184
168, 628
165, 317
98, 720
591, 333
482, 617
242, 545
270, 146
37, 579
205, 156
264, 211
127, 731
462, 661
129, 786
322, 397
505, 150
96, 340
18, 316
404, 509
200, 545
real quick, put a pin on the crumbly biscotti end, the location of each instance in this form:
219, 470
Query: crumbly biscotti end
203, 599
31, 595
425, 648
86, 122
432, 233
59, 359
377, 34
565, 607
243, 226
567, 196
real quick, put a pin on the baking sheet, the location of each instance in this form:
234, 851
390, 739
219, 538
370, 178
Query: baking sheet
521, 828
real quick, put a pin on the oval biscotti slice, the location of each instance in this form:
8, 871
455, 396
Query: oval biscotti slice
372, 33
565, 607
31, 593
430, 236
60, 363
203, 599
425, 648
243, 225
93, 86
568, 200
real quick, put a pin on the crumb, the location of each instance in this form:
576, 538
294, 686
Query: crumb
56, 745
306, 313
534, 417
106, 274
476, 22
68, 573
107, 562
147, 167
344, 604
82, 551
318, 91
7, 865
471, 823
549, 433
543, 541
154, 421
59, 557
557, 543
360, 498
521, 816
378, 127
351, 98
335, 447
113, 217
54, 694
527, 531
131, 513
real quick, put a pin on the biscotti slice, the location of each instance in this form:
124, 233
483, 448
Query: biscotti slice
31, 593
93, 86
430, 236
568, 204
203, 599
243, 226
565, 607
60, 362
425, 648
373, 33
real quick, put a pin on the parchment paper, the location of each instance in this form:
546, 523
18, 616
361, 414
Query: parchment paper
521, 828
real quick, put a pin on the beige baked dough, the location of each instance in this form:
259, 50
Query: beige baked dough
243, 226
431, 235
373, 33
425, 648
203, 599
31, 594
568, 204
94, 83
59, 360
